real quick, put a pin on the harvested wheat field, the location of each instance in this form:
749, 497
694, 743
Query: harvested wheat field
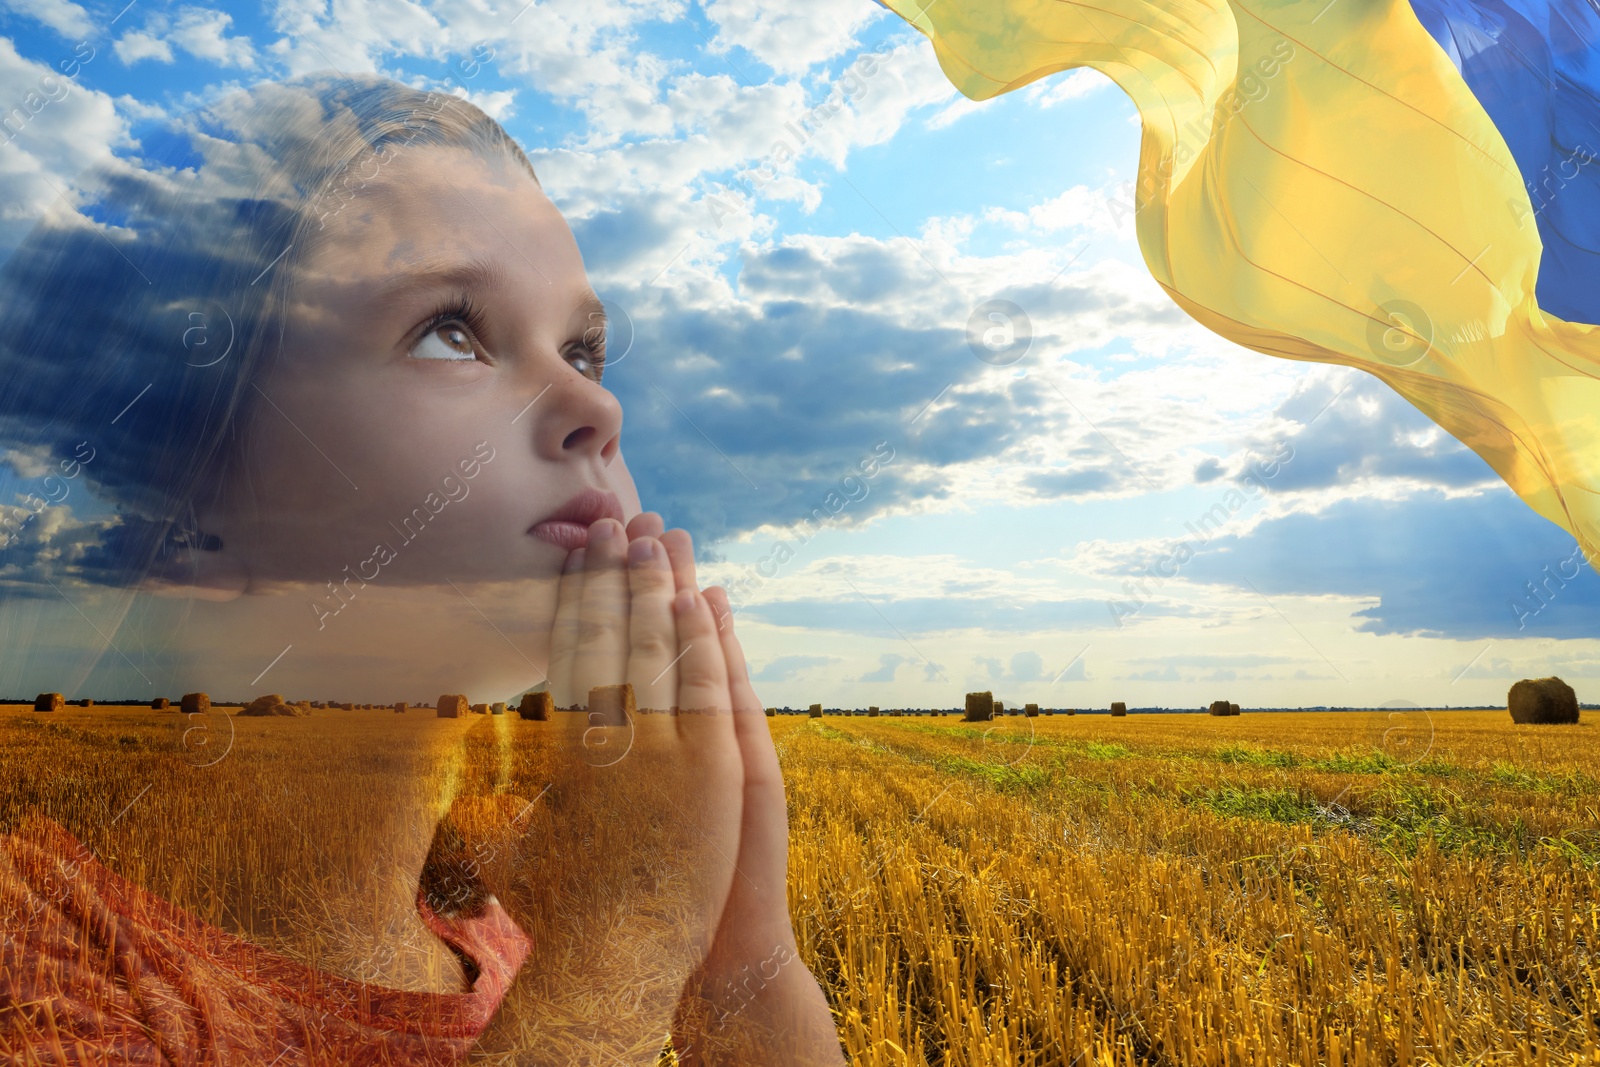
1296, 888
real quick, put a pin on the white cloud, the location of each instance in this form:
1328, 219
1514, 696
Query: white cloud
63, 16
902, 79
959, 108
1074, 208
499, 105
139, 110
202, 33
791, 39
136, 45
1059, 88
31, 462
57, 129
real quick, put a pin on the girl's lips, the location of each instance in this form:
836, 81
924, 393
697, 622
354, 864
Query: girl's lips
568, 535
568, 526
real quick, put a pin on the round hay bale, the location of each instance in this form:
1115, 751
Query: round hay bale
1031, 711
872, 713
195, 703
815, 711
1119, 709
160, 704
497, 708
49, 702
1542, 701
1219, 707
263, 705
400, 707
1233, 709
272, 704
980, 707
612, 705
536, 706
452, 706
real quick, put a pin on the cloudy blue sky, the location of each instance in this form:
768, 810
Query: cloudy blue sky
819, 252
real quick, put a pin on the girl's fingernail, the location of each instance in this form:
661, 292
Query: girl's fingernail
603, 530
642, 551
574, 561
683, 603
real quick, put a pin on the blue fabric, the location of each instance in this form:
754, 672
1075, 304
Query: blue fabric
1534, 65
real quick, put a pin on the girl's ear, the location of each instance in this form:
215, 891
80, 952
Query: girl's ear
199, 567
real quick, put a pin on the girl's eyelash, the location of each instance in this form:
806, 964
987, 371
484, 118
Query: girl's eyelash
459, 308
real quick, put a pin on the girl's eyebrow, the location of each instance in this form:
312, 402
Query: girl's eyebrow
478, 274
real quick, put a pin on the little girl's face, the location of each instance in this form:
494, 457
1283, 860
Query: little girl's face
438, 395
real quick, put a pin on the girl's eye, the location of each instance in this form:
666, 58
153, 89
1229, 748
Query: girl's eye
450, 342
588, 361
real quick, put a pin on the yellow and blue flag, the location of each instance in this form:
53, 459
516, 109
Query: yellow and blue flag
1411, 188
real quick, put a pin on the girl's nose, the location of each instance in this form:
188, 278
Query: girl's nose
582, 419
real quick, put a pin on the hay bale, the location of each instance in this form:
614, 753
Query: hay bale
86, 702
1233, 709
1542, 701
195, 703
49, 702
262, 705
452, 706
999, 708
536, 706
1031, 711
1049, 711
497, 708
772, 712
815, 712
1119, 709
1218, 707
612, 705
872, 713
980, 707
401, 707
273, 704
160, 704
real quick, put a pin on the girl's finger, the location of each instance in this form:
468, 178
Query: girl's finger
702, 669
564, 629
602, 654
645, 524
680, 550
712, 801
764, 833
652, 633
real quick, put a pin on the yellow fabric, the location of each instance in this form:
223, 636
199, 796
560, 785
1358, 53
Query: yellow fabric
1317, 182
